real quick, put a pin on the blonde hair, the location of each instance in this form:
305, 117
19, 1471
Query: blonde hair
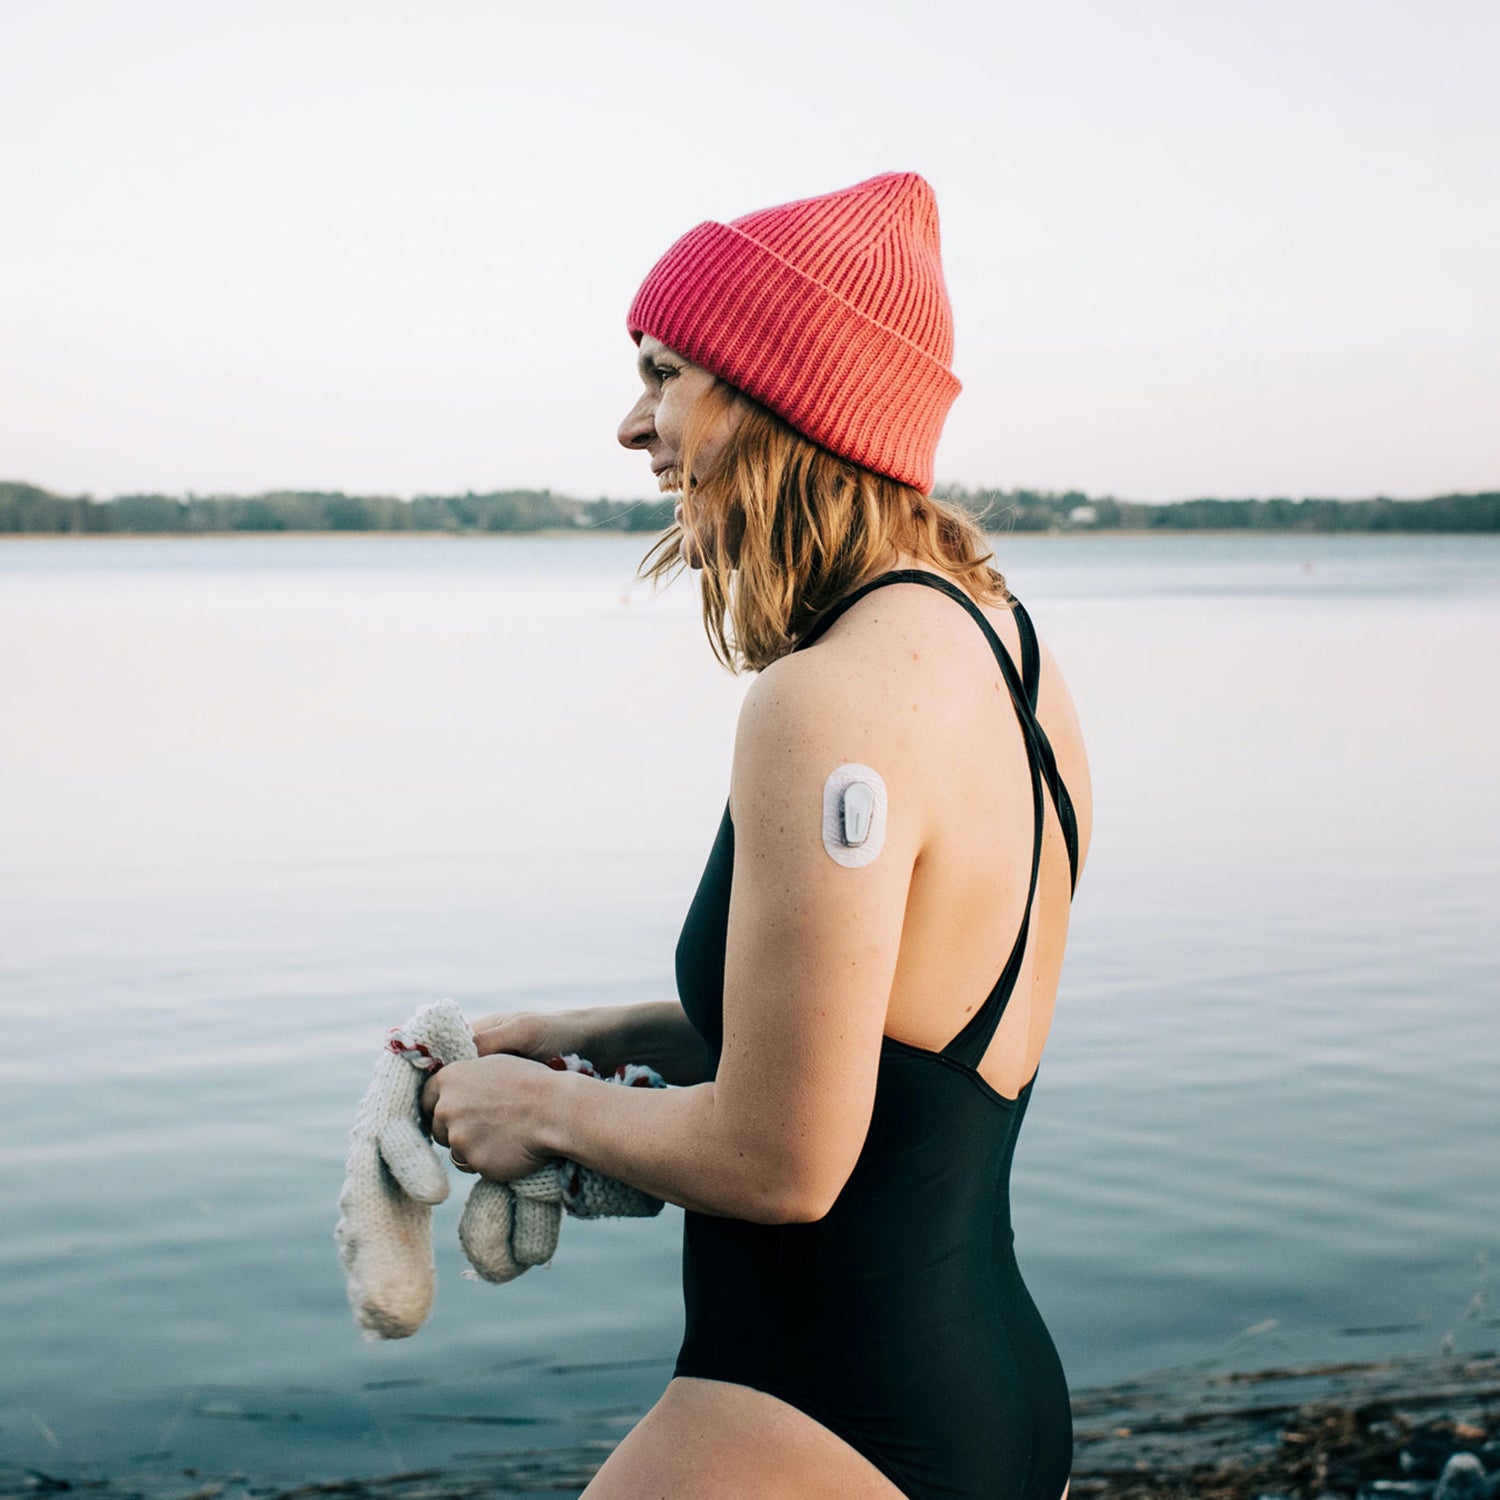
787, 528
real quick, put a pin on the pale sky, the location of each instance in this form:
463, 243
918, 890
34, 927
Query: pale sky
1227, 247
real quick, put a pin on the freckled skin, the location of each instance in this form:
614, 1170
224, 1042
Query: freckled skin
657, 424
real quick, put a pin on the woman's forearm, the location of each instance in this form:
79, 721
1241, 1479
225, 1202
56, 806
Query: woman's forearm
655, 1032
669, 1142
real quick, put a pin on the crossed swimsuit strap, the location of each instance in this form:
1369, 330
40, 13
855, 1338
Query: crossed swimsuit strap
970, 1045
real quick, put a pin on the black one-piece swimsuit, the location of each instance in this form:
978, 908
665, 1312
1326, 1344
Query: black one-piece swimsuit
899, 1320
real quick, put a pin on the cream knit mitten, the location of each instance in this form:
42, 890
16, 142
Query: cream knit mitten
508, 1227
394, 1177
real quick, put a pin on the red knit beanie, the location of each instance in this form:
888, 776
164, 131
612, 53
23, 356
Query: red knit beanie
831, 311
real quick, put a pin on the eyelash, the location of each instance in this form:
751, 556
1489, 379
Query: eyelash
663, 372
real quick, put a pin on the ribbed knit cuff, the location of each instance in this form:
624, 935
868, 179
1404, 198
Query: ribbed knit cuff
853, 386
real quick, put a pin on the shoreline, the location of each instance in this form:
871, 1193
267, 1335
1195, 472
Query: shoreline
1335, 1431
1117, 532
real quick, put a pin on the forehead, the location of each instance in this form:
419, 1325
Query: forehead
651, 348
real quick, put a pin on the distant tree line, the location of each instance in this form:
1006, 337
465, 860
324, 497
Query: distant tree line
1046, 510
25, 508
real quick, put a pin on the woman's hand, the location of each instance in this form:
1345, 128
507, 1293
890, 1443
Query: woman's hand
655, 1032
487, 1110
541, 1035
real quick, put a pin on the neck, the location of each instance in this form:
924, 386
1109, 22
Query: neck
896, 560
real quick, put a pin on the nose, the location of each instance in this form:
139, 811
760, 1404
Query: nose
639, 426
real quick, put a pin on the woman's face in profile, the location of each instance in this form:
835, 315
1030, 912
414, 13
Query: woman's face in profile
672, 387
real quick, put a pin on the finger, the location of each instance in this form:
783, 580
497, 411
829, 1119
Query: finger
412, 1161
495, 1018
428, 1100
493, 1039
507, 1037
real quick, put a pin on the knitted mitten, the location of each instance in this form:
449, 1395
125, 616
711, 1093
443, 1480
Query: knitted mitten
508, 1227
393, 1177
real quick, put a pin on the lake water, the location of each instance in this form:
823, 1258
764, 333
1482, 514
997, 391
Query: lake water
261, 797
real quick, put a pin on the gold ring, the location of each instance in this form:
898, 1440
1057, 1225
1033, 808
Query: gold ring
458, 1161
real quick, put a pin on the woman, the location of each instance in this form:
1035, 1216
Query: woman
899, 831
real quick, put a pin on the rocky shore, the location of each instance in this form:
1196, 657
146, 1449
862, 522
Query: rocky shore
1409, 1429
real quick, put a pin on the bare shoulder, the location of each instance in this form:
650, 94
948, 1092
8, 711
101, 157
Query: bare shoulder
870, 691
905, 656
905, 668
892, 639
811, 712
852, 691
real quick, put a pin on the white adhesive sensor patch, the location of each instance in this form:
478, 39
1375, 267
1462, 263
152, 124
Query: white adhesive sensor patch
853, 815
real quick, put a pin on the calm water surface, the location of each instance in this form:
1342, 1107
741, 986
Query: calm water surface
259, 798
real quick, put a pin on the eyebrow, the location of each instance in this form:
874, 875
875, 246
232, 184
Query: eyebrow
645, 362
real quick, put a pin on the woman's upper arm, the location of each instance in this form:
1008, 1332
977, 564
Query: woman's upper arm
812, 943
